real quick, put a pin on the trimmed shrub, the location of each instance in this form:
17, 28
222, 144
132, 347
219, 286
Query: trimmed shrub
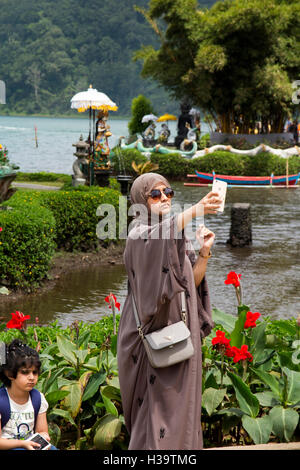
122, 159
26, 243
40, 222
266, 163
171, 165
176, 167
221, 162
75, 215
140, 107
44, 176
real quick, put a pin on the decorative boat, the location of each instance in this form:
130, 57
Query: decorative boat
283, 180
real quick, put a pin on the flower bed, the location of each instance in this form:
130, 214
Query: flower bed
251, 378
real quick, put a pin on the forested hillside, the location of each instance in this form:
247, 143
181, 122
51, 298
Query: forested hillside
52, 49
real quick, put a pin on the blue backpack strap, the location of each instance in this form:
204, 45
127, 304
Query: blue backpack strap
36, 403
4, 407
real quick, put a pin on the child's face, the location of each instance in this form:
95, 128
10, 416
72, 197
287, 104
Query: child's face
26, 379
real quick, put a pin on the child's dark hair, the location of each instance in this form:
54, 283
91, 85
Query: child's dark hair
18, 355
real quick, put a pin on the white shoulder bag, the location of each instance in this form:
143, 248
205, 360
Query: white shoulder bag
169, 345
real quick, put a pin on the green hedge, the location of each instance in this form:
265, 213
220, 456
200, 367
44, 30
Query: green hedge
26, 243
174, 166
245, 165
42, 221
74, 212
228, 163
43, 176
122, 158
75, 215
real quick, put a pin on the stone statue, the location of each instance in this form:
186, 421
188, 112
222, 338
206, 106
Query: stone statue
149, 133
164, 134
101, 123
102, 150
82, 153
7, 175
184, 119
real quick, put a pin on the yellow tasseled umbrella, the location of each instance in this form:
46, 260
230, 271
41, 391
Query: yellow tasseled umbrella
167, 117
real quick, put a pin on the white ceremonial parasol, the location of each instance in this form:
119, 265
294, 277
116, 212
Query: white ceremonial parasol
92, 99
149, 117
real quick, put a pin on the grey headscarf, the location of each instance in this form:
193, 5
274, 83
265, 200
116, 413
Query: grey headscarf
139, 194
143, 185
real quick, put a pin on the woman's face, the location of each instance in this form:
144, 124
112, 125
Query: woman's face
161, 206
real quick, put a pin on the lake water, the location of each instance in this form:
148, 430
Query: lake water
269, 267
55, 138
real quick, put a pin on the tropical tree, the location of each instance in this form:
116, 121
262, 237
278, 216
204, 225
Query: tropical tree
51, 52
140, 107
236, 61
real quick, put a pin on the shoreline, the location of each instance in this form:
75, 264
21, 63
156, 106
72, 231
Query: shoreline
63, 263
63, 116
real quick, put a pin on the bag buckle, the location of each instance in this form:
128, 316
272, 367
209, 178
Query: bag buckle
140, 332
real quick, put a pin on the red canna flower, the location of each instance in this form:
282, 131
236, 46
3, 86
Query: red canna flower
242, 354
17, 320
109, 298
233, 278
220, 339
251, 319
231, 351
1, 229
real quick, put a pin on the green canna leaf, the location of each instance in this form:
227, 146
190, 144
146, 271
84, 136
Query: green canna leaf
248, 402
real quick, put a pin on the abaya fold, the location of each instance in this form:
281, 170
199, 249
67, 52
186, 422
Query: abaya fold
162, 407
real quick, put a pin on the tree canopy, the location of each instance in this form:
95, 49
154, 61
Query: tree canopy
236, 61
52, 49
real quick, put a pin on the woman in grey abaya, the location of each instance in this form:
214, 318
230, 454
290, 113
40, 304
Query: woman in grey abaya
162, 407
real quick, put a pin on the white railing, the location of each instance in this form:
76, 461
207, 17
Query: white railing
285, 153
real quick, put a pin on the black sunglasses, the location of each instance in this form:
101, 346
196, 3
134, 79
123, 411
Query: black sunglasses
156, 193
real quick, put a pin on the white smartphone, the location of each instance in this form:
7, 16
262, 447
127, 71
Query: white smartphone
44, 445
221, 188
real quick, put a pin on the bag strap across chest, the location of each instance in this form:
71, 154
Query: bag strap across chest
137, 319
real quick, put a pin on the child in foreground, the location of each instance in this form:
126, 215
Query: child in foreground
22, 407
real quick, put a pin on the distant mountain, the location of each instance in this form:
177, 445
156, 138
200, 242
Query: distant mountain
52, 49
